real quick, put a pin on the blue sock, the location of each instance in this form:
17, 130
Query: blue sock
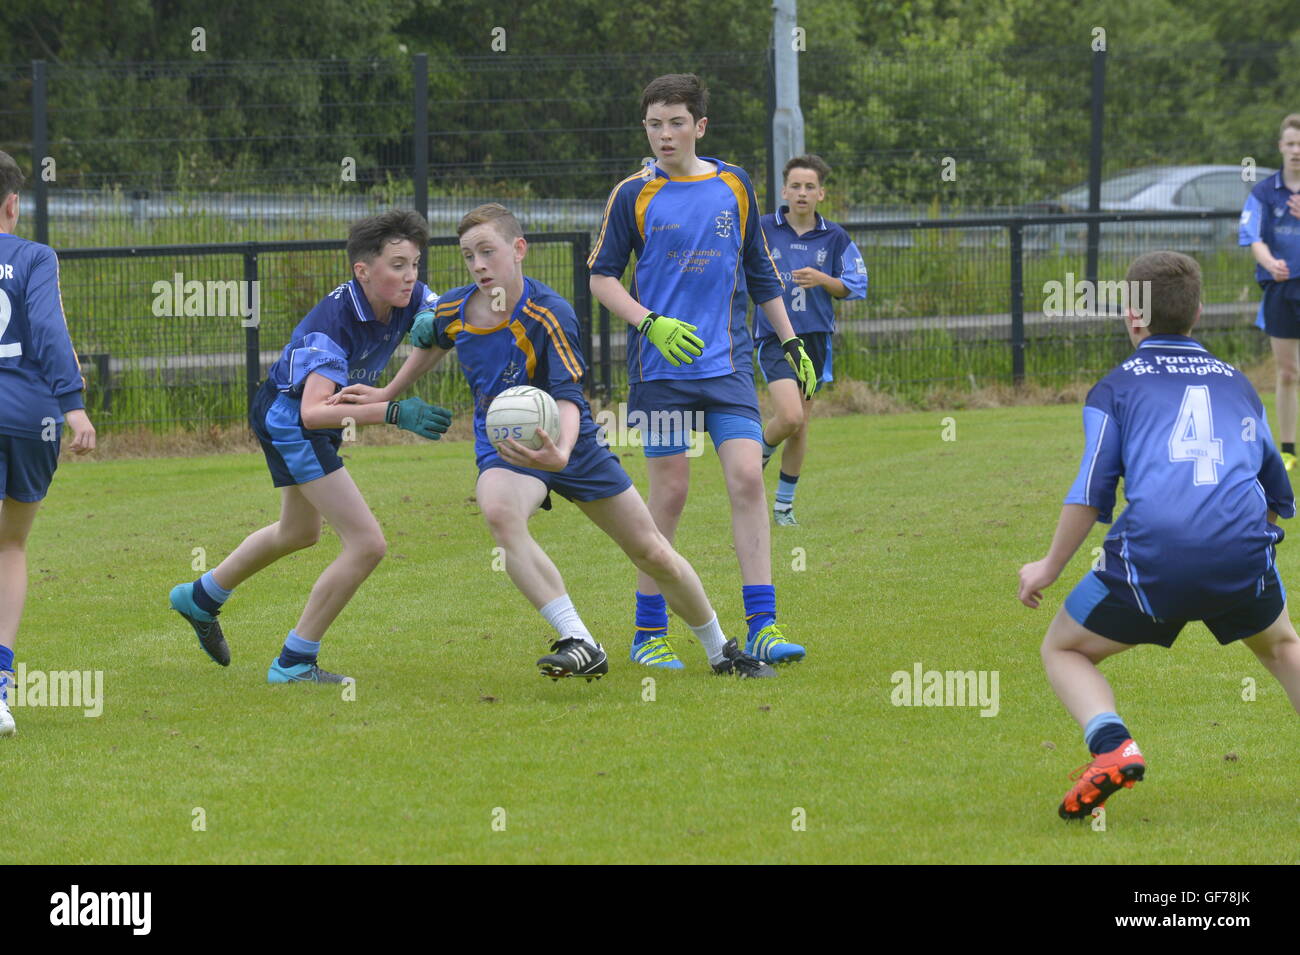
1105, 732
785, 489
760, 606
298, 650
6, 663
210, 595
768, 449
651, 617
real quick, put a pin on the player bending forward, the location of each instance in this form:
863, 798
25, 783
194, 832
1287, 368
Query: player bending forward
1204, 484
509, 330
349, 335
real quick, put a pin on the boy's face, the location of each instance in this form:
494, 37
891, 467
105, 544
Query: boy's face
390, 276
1289, 146
672, 132
492, 259
803, 190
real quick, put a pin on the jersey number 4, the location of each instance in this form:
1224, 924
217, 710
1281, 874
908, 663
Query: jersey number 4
13, 349
1193, 436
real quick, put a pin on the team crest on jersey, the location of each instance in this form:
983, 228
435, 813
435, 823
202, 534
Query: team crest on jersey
724, 222
511, 372
776, 254
821, 257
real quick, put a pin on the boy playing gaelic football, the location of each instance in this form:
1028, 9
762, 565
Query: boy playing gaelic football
819, 263
40, 388
1205, 485
510, 330
349, 336
693, 223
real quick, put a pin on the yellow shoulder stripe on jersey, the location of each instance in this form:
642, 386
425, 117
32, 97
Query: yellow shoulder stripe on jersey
525, 346
552, 326
742, 198
454, 329
648, 192
604, 223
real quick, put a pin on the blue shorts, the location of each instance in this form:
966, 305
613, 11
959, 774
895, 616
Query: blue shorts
1279, 309
772, 361
27, 466
670, 408
294, 454
592, 474
1092, 605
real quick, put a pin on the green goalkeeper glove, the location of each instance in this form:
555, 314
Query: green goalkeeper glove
422, 332
672, 337
419, 417
802, 365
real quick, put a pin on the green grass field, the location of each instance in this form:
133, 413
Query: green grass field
908, 550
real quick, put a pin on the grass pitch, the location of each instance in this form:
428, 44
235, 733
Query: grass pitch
456, 750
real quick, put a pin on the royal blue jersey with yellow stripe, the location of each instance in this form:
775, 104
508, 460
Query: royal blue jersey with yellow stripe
699, 250
536, 344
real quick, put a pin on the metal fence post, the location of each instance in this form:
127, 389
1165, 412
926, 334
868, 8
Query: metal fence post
606, 358
1017, 303
252, 336
40, 150
420, 168
579, 250
1094, 160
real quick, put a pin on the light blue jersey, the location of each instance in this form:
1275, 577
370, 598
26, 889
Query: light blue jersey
699, 249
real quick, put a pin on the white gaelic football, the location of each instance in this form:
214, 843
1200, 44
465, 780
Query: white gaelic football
518, 412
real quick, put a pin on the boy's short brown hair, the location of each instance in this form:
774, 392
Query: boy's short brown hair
808, 161
502, 219
674, 88
1174, 294
1291, 122
367, 238
11, 177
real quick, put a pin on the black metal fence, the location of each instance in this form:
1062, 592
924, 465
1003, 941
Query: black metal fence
961, 302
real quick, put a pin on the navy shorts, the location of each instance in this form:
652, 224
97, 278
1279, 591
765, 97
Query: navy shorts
666, 410
592, 474
27, 466
1092, 605
1279, 309
294, 454
774, 366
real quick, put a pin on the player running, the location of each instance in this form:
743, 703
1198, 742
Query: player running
40, 388
1204, 485
693, 223
509, 329
819, 263
348, 336
1269, 226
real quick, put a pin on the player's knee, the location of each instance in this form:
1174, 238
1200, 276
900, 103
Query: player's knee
746, 483
299, 538
369, 548
1276, 647
670, 495
1288, 375
657, 558
502, 518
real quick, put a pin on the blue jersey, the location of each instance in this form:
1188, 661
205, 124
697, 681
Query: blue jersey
536, 344
1187, 433
699, 249
40, 377
1266, 218
827, 248
341, 339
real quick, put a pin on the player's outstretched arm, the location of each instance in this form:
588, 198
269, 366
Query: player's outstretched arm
1071, 531
417, 364
413, 414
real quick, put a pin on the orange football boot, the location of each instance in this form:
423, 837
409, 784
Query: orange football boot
1120, 768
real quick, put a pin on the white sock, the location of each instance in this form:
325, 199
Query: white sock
711, 638
563, 616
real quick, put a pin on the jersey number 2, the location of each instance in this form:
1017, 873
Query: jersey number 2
1193, 436
13, 349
